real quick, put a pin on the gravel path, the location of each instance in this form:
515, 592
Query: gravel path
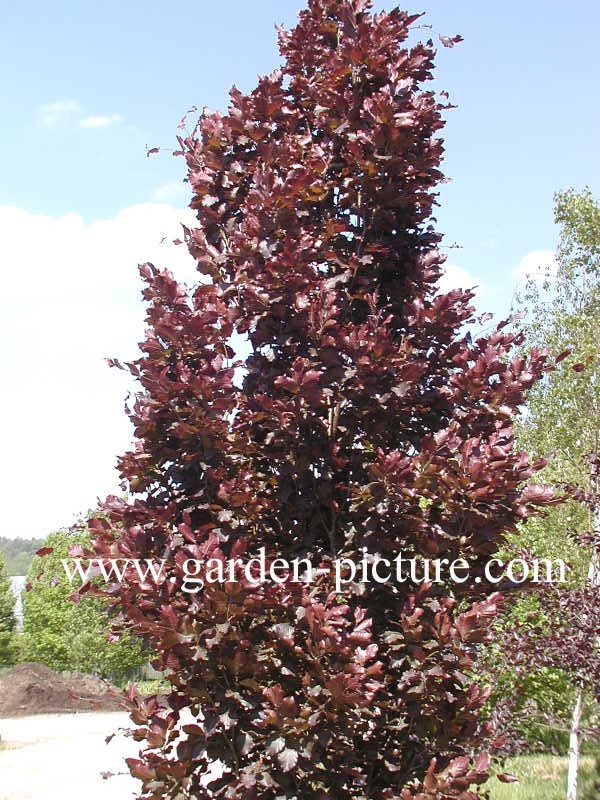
62, 756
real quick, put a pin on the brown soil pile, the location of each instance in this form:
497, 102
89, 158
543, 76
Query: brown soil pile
36, 689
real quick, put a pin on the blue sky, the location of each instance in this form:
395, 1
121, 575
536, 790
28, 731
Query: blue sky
88, 86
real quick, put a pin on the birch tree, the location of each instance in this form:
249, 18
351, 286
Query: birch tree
562, 419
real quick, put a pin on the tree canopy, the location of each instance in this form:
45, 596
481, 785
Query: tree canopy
18, 553
65, 635
368, 420
562, 418
557, 638
7, 617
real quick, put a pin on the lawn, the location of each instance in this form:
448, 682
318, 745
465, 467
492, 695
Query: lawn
544, 777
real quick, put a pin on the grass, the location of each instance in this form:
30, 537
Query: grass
543, 777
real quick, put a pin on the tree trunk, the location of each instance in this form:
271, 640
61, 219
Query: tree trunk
574, 748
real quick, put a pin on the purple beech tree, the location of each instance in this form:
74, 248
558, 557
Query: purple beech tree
367, 418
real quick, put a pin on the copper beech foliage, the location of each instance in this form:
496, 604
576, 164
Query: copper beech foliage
367, 417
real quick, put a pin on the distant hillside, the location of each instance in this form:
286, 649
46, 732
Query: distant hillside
18, 553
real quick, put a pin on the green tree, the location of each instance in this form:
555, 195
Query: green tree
7, 617
562, 420
68, 636
18, 553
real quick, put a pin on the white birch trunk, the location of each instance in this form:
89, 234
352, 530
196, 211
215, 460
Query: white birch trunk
594, 579
574, 748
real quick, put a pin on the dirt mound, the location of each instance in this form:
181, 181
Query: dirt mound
36, 689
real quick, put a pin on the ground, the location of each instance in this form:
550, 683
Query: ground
63, 756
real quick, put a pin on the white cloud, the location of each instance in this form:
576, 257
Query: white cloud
173, 192
100, 121
54, 114
70, 298
538, 264
454, 277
